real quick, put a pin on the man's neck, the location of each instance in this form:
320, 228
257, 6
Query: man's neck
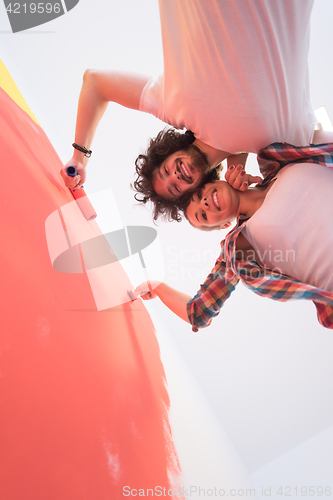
214, 156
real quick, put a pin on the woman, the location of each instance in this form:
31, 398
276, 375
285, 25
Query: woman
281, 246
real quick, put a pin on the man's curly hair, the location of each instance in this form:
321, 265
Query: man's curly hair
166, 143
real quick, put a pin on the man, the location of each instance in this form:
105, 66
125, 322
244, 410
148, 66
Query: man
235, 73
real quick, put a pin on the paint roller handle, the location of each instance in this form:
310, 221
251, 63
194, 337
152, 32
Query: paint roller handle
80, 196
71, 171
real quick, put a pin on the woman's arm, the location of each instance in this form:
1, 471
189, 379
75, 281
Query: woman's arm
205, 305
98, 89
176, 301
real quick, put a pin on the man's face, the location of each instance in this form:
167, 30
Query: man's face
180, 172
216, 204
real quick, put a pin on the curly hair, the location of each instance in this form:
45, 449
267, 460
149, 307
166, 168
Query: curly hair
166, 143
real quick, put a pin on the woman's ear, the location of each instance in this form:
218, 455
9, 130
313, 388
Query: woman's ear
226, 225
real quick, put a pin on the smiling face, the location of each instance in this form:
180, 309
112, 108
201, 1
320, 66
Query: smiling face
180, 172
216, 204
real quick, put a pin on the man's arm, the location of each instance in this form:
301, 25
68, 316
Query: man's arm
279, 154
98, 89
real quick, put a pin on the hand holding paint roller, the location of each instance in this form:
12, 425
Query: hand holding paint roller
145, 291
80, 196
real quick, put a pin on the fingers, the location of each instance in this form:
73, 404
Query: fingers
143, 291
148, 289
254, 179
71, 182
235, 177
78, 184
243, 186
239, 179
78, 180
146, 294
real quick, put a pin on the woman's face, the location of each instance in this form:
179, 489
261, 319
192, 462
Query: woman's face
216, 204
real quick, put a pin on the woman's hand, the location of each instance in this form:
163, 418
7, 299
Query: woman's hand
148, 290
176, 301
239, 179
79, 179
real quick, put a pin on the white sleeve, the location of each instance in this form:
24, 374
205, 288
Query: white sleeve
151, 100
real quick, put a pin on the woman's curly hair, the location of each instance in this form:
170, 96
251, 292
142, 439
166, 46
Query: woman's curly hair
166, 143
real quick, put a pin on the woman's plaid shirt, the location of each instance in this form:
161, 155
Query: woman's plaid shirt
227, 272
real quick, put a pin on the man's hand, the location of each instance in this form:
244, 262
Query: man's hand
239, 179
78, 180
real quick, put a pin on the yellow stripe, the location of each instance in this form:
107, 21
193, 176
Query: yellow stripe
9, 86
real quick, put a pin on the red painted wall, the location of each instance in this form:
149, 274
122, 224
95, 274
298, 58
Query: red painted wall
83, 397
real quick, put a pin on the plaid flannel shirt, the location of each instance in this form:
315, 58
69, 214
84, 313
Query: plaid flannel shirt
227, 272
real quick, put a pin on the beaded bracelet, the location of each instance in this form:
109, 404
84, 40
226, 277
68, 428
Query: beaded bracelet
87, 152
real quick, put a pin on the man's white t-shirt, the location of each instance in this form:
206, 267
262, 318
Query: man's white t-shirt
235, 72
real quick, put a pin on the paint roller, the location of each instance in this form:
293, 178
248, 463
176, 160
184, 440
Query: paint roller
88, 211
81, 198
